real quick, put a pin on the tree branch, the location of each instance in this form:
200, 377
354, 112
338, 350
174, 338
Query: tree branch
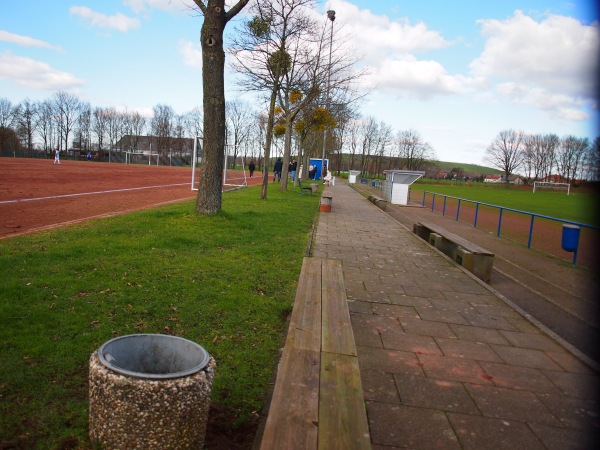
201, 5
234, 10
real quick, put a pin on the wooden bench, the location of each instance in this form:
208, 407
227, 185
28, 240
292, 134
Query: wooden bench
304, 188
472, 257
378, 201
318, 399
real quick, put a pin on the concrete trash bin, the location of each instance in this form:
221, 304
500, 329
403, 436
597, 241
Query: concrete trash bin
326, 201
149, 391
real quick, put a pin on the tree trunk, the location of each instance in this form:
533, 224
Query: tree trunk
213, 88
269, 138
213, 92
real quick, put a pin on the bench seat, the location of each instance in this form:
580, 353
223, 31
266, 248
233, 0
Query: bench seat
318, 399
303, 189
472, 257
381, 203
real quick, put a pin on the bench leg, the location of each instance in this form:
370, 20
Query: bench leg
435, 240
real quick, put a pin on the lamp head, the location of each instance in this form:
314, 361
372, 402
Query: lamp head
331, 15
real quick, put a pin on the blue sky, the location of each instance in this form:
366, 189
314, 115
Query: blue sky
458, 72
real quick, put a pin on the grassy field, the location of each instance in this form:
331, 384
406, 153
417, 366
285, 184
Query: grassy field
577, 207
226, 282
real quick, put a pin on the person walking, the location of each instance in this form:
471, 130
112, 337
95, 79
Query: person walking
251, 168
277, 168
57, 156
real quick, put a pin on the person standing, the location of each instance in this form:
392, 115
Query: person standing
57, 156
251, 168
293, 167
277, 168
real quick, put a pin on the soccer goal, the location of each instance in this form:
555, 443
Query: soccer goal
133, 157
232, 179
153, 159
551, 185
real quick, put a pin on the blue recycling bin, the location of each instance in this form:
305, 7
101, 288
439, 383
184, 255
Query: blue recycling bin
570, 237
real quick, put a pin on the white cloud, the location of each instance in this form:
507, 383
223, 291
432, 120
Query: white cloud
418, 78
389, 49
24, 41
378, 37
119, 22
191, 53
556, 57
559, 105
35, 74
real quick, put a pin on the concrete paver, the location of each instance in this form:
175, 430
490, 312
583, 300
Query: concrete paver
445, 362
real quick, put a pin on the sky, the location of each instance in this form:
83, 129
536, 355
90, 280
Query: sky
457, 72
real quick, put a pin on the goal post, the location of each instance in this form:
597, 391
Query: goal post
131, 157
152, 157
232, 179
196, 159
551, 185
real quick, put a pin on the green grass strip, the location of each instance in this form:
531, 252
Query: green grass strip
578, 207
225, 281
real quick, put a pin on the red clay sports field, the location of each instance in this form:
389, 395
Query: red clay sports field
36, 194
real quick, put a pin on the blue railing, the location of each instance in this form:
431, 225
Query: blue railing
501, 210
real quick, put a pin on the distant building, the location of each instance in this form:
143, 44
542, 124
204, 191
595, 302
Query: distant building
493, 179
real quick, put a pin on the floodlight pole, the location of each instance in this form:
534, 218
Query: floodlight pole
330, 16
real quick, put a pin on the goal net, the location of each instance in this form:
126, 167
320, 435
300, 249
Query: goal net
152, 159
134, 157
233, 178
537, 185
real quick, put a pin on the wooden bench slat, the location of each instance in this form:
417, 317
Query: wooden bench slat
293, 417
342, 415
337, 335
305, 323
318, 399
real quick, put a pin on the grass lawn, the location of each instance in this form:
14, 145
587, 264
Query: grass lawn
226, 282
577, 207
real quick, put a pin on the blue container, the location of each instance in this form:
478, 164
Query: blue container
570, 237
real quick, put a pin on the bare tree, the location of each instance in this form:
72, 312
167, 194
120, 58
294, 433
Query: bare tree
113, 120
239, 116
265, 51
213, 88
46, 124
539, 154
593, 160
67, 109
25, 118
100, 125
572, 152
413, 152
7, 119
161, 126
506, 152
83, 128
136, 127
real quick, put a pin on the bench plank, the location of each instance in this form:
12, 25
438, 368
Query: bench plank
342, 415
318, 398
294, 412
337, 330
305, 323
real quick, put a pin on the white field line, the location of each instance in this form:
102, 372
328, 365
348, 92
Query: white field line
90, 193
